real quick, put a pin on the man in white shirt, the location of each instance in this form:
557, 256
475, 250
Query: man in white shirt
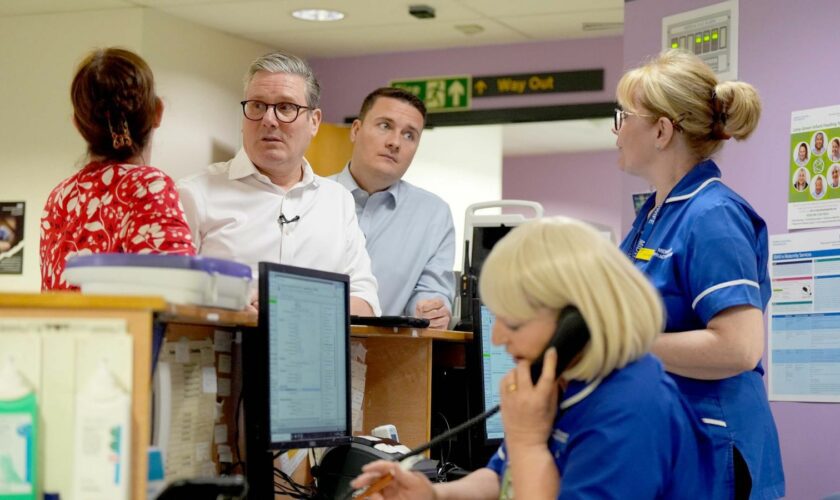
409, 231
266, 204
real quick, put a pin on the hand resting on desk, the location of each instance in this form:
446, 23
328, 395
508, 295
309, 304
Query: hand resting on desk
435, 311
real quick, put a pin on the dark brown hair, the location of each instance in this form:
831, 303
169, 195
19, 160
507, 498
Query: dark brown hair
392, 93
114, 102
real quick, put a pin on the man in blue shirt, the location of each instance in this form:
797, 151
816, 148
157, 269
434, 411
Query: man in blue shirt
409, 231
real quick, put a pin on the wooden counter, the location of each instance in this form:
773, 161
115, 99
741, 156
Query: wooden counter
399, 361
138, 313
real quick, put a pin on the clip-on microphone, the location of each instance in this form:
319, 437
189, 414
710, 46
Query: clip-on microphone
283, 220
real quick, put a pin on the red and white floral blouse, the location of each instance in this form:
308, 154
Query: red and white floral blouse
110, 207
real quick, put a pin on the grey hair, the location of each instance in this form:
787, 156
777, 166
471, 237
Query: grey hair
281, 62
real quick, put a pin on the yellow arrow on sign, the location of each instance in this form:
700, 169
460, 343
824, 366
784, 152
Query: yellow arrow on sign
480, 87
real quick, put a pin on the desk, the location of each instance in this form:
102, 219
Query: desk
398, 388
138, 313
399, 374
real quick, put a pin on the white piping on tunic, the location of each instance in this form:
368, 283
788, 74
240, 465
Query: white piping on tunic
689, 195
723, 285
586, 391
713, 421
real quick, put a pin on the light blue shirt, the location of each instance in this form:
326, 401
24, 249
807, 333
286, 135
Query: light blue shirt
411, 242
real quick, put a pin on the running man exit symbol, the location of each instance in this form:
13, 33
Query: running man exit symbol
441, 93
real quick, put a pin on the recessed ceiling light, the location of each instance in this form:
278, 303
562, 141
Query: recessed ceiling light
469, 29
318, 15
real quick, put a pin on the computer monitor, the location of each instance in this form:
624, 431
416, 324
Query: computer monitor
296, 367
304, 316
487, 364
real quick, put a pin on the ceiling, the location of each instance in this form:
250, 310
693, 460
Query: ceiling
372, 26
377, 26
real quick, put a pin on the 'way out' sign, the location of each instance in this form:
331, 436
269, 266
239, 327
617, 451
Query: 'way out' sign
440, 93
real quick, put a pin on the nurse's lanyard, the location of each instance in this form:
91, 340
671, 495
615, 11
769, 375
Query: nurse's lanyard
639, 252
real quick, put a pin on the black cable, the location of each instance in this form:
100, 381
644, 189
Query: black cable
300, 488
446, 435
291, 485
443, 458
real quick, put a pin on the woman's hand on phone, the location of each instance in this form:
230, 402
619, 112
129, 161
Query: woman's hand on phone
528, 410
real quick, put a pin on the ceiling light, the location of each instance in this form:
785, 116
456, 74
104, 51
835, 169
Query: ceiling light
469, 29
318, 15
609, 26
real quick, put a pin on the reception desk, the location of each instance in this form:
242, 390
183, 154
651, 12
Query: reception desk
398, 382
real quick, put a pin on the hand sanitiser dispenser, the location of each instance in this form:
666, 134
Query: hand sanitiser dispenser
18, 435
102, 438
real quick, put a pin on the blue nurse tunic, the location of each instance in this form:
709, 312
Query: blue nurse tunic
628, 436
705, 250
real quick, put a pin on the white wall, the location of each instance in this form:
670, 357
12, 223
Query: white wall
462, 165
198, 72
38, 144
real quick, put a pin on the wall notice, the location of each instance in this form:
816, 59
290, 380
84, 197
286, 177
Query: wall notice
11, 236
804, 325
814, 174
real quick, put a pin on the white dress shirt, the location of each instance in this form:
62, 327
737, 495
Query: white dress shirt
234, 211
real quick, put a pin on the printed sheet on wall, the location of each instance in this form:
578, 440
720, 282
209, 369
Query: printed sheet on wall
814, 173
804, 317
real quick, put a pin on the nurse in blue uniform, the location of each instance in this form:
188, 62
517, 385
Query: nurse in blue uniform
705, 250
619, 427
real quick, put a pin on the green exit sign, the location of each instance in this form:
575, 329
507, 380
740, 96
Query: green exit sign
440, 93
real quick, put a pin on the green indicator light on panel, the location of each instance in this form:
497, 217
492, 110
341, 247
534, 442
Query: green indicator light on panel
706, 38
698, 40
675, 45
714, 35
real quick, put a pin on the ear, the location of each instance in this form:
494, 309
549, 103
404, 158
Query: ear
354, 129
158, 112
664, 132
316, 120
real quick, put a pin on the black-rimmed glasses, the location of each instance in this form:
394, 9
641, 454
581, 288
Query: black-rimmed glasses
286, 112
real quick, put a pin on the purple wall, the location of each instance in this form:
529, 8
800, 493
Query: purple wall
346, 81
584, 185
785, 51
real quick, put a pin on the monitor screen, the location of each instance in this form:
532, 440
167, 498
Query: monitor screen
639, 200
495, 363
307, 327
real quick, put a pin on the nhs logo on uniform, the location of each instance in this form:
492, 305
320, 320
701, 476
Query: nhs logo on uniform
663, 253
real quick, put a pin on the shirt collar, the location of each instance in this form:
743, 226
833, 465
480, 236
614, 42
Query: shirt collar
241, 166
703, 174
345, 178
577, 391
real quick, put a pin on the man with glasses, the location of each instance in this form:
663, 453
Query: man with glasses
266, 204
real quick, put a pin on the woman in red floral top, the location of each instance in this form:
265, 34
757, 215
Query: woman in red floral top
115, 203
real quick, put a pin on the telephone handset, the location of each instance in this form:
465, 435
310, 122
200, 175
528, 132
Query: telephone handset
570, 336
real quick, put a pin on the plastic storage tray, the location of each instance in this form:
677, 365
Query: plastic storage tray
179, 279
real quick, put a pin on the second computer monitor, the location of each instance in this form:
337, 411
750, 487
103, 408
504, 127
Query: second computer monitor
495, 362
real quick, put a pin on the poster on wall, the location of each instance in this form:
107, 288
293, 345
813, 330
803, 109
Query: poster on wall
814, 174
804, 317
11, 237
